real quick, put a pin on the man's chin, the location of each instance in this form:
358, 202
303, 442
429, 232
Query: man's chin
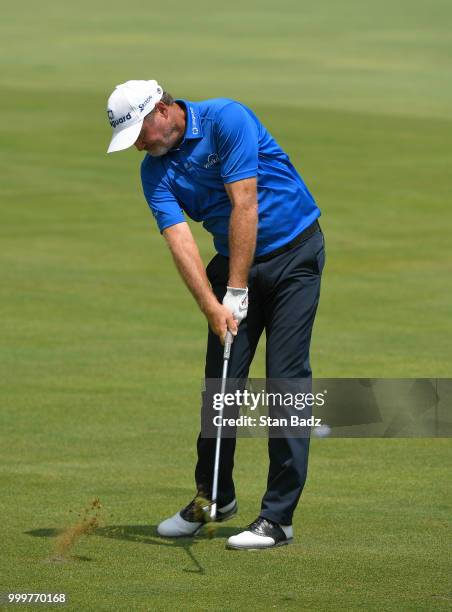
158, 151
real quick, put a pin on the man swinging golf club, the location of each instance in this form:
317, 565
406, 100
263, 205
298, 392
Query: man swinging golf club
215, 162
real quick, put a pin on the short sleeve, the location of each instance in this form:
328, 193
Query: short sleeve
237, 142
164, 206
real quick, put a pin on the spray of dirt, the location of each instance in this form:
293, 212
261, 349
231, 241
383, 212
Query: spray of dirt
88, 520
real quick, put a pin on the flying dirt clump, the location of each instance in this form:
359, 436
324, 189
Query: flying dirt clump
89, 519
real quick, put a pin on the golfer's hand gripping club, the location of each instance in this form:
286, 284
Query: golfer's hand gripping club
236, 299
229, 339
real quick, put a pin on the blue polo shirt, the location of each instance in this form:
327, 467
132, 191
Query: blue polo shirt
225, 142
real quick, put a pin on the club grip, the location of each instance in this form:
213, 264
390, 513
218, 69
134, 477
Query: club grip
229, 339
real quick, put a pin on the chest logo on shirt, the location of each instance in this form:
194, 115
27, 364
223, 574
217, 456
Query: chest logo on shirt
212, 160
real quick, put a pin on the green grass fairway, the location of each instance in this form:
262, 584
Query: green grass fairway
102, 347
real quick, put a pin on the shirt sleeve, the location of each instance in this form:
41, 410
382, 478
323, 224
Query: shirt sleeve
237, 142
163, 204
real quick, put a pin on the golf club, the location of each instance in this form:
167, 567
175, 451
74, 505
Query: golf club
226, 354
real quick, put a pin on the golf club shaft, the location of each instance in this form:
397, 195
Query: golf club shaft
226, 354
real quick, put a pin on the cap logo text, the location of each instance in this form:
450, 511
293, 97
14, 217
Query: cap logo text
115, 122
145, 103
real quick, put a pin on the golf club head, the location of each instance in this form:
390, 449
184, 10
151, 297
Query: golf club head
213, 511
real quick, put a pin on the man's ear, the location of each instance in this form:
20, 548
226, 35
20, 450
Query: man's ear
161, 108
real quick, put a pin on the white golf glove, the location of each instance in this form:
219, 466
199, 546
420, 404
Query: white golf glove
236, 300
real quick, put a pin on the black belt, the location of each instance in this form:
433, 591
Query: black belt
306, 233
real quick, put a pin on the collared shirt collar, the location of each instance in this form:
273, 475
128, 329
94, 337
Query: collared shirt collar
193, 128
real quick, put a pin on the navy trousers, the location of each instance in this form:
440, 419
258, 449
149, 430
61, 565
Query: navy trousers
283, 297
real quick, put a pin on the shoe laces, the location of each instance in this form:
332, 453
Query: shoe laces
261, 521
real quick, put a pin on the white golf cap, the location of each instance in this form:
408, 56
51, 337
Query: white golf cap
127, 107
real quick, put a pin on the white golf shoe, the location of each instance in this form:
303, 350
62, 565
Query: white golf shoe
186, 522
262, 533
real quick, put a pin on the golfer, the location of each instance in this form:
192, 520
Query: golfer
215, 162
